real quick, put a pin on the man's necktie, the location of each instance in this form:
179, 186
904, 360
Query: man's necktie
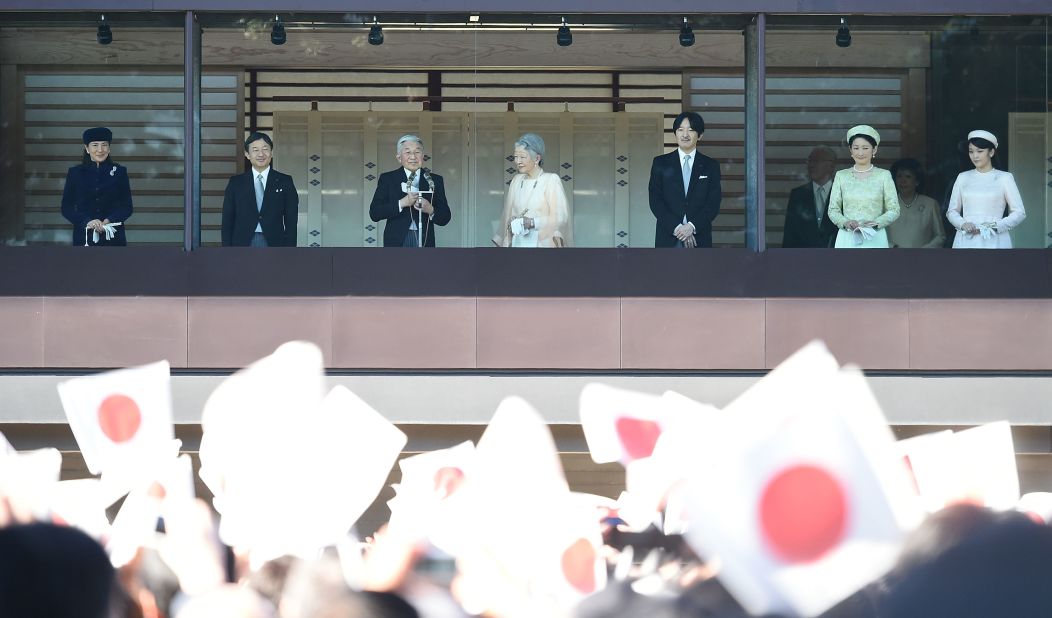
821, 205
259, 192
686, 174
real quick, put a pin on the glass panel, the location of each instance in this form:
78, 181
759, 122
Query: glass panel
923, 83
463, 88
57, 81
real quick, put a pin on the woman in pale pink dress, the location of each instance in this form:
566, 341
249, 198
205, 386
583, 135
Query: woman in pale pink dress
979, 198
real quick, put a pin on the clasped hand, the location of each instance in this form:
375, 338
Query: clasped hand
684, 233
96, 225
418, 202
853, 225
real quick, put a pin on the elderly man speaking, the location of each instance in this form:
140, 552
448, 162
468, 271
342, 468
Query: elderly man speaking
411, 199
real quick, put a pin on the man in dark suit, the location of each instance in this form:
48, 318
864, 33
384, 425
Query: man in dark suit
410, 198
685, 189
807, 221
261, 205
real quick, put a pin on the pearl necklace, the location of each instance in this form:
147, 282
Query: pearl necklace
912, 202
855, 168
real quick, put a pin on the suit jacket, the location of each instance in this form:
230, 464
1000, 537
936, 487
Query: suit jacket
97, 192
385, 206
701, 204
277, 217
801, 228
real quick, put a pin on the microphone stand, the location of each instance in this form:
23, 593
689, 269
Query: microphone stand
409, 188
430, 185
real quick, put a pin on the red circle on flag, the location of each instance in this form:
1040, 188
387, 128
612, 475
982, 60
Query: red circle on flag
803, 513
119, 418
638, 436
578, 564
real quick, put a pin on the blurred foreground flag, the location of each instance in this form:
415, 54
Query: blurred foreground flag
534, 547
292, 469
121, 418
801, 494
26, 481
623, 425
976, 466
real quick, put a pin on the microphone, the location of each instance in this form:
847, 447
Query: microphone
427, 177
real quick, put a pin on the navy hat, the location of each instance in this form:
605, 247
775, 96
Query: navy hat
98, 134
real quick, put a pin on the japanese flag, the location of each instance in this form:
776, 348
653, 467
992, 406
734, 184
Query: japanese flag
622, 425
269, 432
27, 479
535, 547
121, 419
652, 483
802, 497
427, 497
976, 465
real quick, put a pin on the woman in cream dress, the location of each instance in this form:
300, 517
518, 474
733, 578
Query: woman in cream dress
979, 197
863, 201
536, 213
919, 225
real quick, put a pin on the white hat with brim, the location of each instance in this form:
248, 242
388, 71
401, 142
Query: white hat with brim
986, 135
862, 129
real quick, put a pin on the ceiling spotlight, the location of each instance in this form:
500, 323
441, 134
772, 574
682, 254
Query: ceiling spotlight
277, 32
843, 35
564, 37
686, 34
376, 33
104, 35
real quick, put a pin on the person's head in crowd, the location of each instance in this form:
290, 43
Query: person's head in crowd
96, 145
318, 589
908, 175
821, 163
941, 531
269, 579
619, 600
409, 150
226, 601
259, 150
982, 146
689, 127
863, 141
1001, 565
53, 571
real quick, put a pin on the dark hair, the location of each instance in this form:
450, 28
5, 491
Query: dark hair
996, 565
909, 165
56, 571
980, 142
694, 118
868, 138
255, 136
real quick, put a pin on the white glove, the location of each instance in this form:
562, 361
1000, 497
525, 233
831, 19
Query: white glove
863, 234
110, 230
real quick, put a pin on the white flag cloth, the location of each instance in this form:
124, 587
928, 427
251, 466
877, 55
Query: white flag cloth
803, 498
291, 472
27, 479
121, 419
535, 546
427, 497
976, 465
623, 425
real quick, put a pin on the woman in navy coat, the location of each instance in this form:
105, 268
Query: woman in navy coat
97, 193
